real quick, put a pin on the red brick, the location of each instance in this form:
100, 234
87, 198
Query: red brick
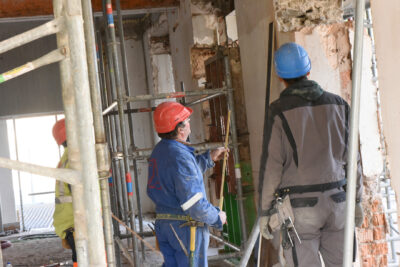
365, 223
368, 262
379, 249
378, 219
365, 235
366, 250
379, 233
383, 261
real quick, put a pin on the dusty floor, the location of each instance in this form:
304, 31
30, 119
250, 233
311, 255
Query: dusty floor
43, 248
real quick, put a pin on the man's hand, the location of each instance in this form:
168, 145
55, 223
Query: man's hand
264, 228
358, 215
222, 217
218, 154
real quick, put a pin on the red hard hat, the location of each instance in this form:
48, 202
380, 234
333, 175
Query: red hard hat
59, 132
168, 114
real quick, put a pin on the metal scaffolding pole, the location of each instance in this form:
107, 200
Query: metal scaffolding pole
120, 101
82, 125
102, 155
353, 136
68, 94
130, 119
176, 94
111, 140
116, 135
238, 173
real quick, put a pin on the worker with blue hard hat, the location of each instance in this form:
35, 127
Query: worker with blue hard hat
305, 155
175, 184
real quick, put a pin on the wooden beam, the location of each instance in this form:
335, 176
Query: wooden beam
31, 8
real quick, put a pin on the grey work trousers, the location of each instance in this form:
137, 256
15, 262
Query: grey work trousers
319, 221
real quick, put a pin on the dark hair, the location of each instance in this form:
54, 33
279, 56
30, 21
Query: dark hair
173, 134
295, 80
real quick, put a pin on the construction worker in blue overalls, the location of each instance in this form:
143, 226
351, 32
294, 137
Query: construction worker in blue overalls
63, 217
176, 186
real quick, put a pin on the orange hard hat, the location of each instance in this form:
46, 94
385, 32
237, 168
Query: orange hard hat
168, 114
59, 132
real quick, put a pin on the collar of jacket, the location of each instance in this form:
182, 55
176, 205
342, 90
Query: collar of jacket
183, 145
306, 89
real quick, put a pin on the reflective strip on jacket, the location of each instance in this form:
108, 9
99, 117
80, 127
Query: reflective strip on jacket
175, 182
63, 217
306, 141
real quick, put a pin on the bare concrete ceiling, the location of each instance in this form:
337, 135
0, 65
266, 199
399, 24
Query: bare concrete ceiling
31, 8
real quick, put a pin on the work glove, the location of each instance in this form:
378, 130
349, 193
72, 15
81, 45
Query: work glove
358, 215
264, 227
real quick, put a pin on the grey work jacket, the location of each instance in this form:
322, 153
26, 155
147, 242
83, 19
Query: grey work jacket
306, 140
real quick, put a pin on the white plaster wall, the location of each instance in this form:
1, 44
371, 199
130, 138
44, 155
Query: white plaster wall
6, 183
142, 122
370, 143
181, 41
386, 25
253, 18
321, 69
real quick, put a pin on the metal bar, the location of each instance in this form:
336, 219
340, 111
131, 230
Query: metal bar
21, 202
53, 56
145, 153
68, 94
175, 95
64, 175
111, 107
41, 193
125, 251
206, 98
130, 119
142, 234
84, 128
248, 248
353, 136
102, 156
231, 105
232, 246
120, 100
115, 130
224, 256
46, 29
111, 140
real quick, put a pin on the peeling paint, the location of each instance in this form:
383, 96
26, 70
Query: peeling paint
197, 58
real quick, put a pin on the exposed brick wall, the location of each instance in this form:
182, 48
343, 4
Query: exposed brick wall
373, 247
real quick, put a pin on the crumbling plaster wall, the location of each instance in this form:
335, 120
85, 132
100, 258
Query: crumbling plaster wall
386, 25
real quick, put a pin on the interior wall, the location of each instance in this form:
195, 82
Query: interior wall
253, 18
386, 25
6, 183
36, 92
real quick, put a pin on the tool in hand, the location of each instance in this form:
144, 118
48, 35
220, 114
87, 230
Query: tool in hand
221, 195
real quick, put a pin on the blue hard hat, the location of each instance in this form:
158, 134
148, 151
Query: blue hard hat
291, 61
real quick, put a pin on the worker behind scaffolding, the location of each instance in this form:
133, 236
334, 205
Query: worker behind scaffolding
303, 197
176, 186
63, 217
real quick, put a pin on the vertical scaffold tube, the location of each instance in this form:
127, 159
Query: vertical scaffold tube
353, 136
121, 104
130, 119
102, 155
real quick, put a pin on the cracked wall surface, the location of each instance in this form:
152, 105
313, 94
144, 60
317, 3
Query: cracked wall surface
294, 15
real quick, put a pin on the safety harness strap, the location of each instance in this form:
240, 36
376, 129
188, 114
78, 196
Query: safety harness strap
299, 189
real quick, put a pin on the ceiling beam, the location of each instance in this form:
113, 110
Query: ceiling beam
32, 8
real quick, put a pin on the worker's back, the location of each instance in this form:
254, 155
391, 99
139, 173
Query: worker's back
314, 126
